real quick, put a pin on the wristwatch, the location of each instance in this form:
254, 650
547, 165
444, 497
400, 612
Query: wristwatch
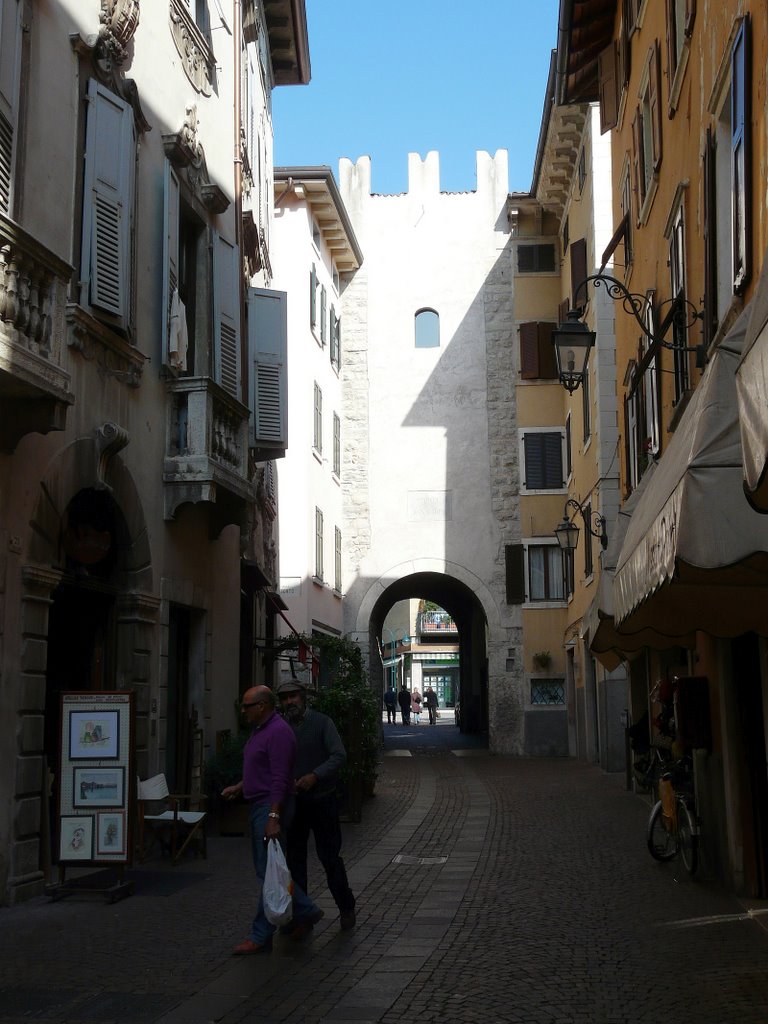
274, 814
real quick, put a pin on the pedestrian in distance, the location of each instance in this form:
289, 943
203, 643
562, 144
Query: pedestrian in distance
390, 703
430, 699
319, 759
269, 758
416, 706
404, 700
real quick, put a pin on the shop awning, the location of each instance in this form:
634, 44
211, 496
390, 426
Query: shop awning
695, 555
752, 391
607, 641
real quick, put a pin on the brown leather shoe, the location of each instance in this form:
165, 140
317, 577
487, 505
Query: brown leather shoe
250, 947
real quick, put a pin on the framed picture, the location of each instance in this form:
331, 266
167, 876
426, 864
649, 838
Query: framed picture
76, 837
110, 833
94, 735
98, 787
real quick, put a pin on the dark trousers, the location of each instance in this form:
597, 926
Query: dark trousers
319, 815
391, 715
406, 713
432, 716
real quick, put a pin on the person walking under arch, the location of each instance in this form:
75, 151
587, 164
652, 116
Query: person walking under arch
404, 700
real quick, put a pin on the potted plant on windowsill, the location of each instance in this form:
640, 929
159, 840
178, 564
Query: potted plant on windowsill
542, 660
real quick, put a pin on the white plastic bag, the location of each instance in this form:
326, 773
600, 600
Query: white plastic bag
278, 886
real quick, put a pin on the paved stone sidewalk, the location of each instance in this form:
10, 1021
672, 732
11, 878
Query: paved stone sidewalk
489, 889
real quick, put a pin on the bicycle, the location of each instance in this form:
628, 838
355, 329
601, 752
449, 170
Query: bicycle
673, 825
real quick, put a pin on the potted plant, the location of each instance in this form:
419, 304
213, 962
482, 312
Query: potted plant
542, 661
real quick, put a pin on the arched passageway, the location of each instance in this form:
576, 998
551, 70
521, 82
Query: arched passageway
466, 611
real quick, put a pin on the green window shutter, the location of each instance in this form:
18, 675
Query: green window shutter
313, 296
323, 313
514, 559
10, 63
267, 370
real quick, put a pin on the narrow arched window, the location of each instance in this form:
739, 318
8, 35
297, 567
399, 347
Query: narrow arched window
427, 329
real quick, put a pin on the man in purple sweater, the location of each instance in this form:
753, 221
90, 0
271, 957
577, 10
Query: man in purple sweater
267, 784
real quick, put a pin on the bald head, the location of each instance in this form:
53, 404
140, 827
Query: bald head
260, 693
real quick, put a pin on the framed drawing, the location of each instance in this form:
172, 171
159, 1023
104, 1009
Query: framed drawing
98, 787
76, 837
110, 833
94, 735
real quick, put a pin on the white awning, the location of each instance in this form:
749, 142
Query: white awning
609, 643
695, 556
752, 391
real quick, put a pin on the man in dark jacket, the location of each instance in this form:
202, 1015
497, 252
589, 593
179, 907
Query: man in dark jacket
320, 757
390, 703
404, 700
430, 698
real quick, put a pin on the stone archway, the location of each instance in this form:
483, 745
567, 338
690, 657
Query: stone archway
89, 463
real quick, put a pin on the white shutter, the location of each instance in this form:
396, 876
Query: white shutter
226, 316
170, 254
107, 202
10, 56
267, 357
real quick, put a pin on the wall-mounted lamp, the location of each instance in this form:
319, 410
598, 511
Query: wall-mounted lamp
573, 339
567, 532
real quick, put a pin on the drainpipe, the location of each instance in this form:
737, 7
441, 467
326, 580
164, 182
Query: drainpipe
237, 33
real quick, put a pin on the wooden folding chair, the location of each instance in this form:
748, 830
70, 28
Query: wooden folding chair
176, 826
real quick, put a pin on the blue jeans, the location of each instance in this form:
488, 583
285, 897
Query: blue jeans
261, 929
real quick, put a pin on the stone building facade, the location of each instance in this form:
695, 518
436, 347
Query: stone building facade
431, 477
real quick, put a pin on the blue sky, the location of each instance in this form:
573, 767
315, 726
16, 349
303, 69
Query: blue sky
416, 75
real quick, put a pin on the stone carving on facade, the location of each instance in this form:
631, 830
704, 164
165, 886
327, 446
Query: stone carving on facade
95, 342
185, 151
109, 439
192, 46
119, 20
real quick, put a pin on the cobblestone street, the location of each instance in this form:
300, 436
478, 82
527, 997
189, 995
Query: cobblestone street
489, 889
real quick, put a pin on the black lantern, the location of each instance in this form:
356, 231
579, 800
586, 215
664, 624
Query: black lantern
567, 532
572, 341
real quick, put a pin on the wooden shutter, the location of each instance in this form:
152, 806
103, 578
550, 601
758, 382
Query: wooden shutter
710, 239
338, 342
690, 16
638, 169
624, 68
543, 453
608, 88
669, 7
579, 272
313, 296
654, 101
546, 349
170, 256
332, 334
227, 316
267, 372
529, 351
323, 313
553, 460
741, 157
562, 311
110, 148
10, 62
514, 566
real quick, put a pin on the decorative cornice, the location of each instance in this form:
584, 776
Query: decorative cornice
99, 344
193, 48
119, 21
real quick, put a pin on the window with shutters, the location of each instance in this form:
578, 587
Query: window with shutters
625, 193
427, 329
589, 564
579, 287
568, 448
10, 73
680, 18
586, 407
681, 359
317, 433
319, 545
582, 169
646, 134
267, 371
641, 405
542, 460
108, 208
545, 575
336, 445
337, 561
727, 184
201, 292
323, 314
334, 328
608, 87
313, 297
536, 258
537, 352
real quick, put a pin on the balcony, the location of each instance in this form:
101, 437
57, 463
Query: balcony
436, 623
34, 386
207, 452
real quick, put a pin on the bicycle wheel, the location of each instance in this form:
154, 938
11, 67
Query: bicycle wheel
687, 840
662, 843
